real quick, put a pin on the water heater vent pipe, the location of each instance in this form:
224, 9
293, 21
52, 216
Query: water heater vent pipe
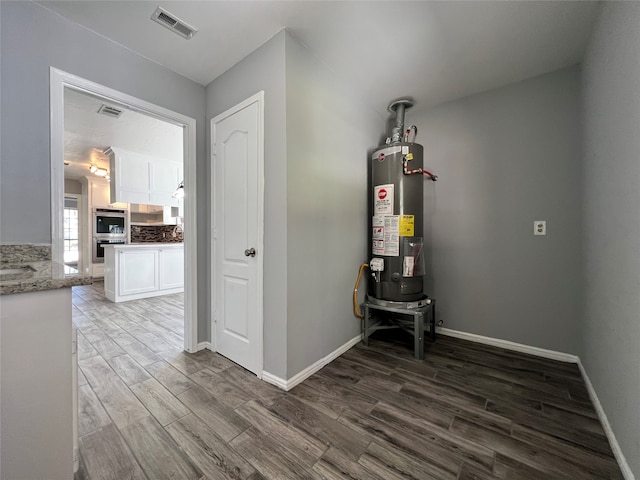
399, 107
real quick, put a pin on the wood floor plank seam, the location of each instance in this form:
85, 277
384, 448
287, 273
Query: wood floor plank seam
151, 411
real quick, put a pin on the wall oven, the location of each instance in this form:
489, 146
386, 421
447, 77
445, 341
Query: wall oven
110, 227
100, 243
109, 222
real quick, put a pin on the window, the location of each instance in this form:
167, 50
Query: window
71, 244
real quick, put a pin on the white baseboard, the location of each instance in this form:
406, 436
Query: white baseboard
204, 345
517, 347
274, 380
562, 357
615, 446
311, 369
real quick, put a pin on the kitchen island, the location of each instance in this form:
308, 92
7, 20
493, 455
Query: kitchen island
141, 270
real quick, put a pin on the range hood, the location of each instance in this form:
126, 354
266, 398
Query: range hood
154, 215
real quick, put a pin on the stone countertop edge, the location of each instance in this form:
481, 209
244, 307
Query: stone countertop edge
43, 276
145, 244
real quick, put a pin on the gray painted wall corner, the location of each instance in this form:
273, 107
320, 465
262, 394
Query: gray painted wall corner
611, 115
506, 158
263, 69
329, 132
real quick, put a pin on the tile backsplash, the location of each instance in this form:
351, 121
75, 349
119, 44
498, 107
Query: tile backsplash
156, 234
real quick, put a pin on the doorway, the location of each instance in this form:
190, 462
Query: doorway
59, 82
237, 146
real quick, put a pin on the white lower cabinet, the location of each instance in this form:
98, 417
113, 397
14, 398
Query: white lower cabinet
97, 270
171, 262
140, 271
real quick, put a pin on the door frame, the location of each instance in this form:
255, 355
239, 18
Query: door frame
259, 99
58, 81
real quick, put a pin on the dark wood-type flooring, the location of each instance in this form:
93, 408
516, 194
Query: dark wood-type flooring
150, 411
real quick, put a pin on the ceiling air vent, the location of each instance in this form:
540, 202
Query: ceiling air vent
109, 111
173, 23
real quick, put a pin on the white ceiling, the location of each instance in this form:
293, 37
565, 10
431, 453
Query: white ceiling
432, 51
87, 134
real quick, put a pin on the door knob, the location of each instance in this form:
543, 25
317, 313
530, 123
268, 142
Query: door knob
250, 252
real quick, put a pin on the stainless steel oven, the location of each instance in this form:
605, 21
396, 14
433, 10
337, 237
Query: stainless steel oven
109, 223
110, 227
99, 244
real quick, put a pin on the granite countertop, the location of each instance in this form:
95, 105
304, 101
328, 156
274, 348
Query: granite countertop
21, 271
145, 244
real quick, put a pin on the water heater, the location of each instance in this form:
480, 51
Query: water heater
397, 261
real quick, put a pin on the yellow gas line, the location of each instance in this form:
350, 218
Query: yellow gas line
356, 305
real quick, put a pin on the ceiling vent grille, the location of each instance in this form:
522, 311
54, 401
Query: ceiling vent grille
173, 23
109, 111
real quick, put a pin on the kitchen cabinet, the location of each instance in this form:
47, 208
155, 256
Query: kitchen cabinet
171, 268
155, 214
137, 271
165, 178
98, 190
152, 209
142, 270
130, 176
143, 179
36, 385
99, 194
97, 270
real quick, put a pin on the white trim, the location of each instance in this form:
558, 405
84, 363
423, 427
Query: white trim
58, 81
204, 346
56, 143
615, 446
311, 369
275, 380
517, 347
259, 99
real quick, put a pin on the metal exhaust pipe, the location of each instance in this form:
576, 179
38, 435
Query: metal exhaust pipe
399, 107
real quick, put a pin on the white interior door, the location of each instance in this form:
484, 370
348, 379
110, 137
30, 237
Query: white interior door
237, 155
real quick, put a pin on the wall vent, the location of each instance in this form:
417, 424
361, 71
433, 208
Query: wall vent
173, 23
109, 111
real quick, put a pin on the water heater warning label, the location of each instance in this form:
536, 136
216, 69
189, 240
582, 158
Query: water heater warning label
383, 199
385, 239
406, 227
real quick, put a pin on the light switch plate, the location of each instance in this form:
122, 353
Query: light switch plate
539, 227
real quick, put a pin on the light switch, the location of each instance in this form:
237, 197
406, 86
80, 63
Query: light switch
539, 227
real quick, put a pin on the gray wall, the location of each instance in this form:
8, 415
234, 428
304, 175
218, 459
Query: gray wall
611, 172
328, 135
72, 186
33, 39
264, 69
506, 158
316, 139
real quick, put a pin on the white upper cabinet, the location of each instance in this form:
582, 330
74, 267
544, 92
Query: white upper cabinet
99, 194
139, 178
165, 178
130, 176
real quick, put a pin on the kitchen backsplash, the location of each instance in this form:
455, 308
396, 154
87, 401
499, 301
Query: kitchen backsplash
156, 234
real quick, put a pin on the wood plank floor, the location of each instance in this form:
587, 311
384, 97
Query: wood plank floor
150, 411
